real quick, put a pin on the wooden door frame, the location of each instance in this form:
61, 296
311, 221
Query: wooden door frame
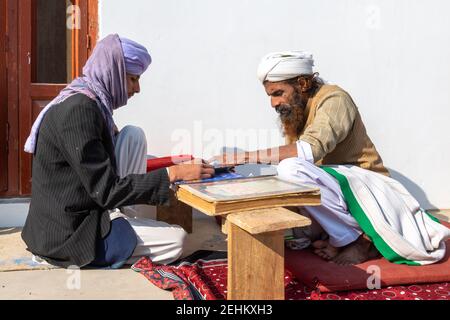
3, 101
21, 91
12, 98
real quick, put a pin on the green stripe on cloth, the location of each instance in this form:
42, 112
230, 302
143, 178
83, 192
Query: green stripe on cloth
432, 217
358, 213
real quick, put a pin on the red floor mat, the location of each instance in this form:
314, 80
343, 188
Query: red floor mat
203, 275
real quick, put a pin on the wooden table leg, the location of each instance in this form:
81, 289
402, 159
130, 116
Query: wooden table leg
255, 265
224, 224
176, 213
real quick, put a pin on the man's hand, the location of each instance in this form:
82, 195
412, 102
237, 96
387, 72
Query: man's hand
271, 156
230, 159
190, 171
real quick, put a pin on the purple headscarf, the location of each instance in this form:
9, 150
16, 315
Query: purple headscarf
104, 80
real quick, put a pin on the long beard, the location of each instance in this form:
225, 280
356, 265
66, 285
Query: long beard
292, 118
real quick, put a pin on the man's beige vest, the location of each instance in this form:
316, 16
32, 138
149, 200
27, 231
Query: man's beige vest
356, 149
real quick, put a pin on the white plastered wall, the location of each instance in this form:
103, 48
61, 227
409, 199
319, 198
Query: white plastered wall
391, 56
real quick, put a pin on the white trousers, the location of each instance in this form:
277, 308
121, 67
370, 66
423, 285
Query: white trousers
160, 241
332, 215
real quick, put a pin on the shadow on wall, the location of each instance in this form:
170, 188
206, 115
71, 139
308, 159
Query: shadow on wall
256, 170
417, 192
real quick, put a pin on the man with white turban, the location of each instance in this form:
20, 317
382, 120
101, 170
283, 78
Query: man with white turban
363, 211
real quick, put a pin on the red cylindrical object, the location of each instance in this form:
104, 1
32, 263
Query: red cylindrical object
158, 163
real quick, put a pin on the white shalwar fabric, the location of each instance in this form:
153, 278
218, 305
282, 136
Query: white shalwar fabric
355, 200
160, 241
131, 151
131, 155
304, 151
332, 215
403, 232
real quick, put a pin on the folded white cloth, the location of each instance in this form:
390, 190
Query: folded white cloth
39, 260
401, 230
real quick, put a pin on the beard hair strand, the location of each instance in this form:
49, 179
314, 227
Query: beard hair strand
292, 124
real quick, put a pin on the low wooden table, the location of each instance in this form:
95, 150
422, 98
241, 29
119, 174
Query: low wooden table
255, 246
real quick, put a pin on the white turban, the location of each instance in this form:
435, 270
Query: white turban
280, 66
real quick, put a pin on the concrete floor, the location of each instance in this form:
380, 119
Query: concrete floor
120, 284
57, 284
123, 284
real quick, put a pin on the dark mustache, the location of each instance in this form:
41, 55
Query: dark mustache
284, 109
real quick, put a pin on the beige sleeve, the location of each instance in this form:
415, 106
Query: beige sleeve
331, 125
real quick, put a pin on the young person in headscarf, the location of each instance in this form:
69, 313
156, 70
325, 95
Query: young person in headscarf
84, 169
363, 212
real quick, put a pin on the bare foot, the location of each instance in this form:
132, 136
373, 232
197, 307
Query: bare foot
325, 250
357, 252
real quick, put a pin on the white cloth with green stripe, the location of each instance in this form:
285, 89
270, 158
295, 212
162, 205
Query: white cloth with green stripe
381, 207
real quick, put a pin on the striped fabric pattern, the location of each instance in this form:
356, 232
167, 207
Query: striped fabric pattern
75, 183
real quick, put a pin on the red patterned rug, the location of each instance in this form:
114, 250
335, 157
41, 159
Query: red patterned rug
203, 276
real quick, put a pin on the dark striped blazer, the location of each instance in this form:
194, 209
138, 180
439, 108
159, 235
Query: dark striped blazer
75, 182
